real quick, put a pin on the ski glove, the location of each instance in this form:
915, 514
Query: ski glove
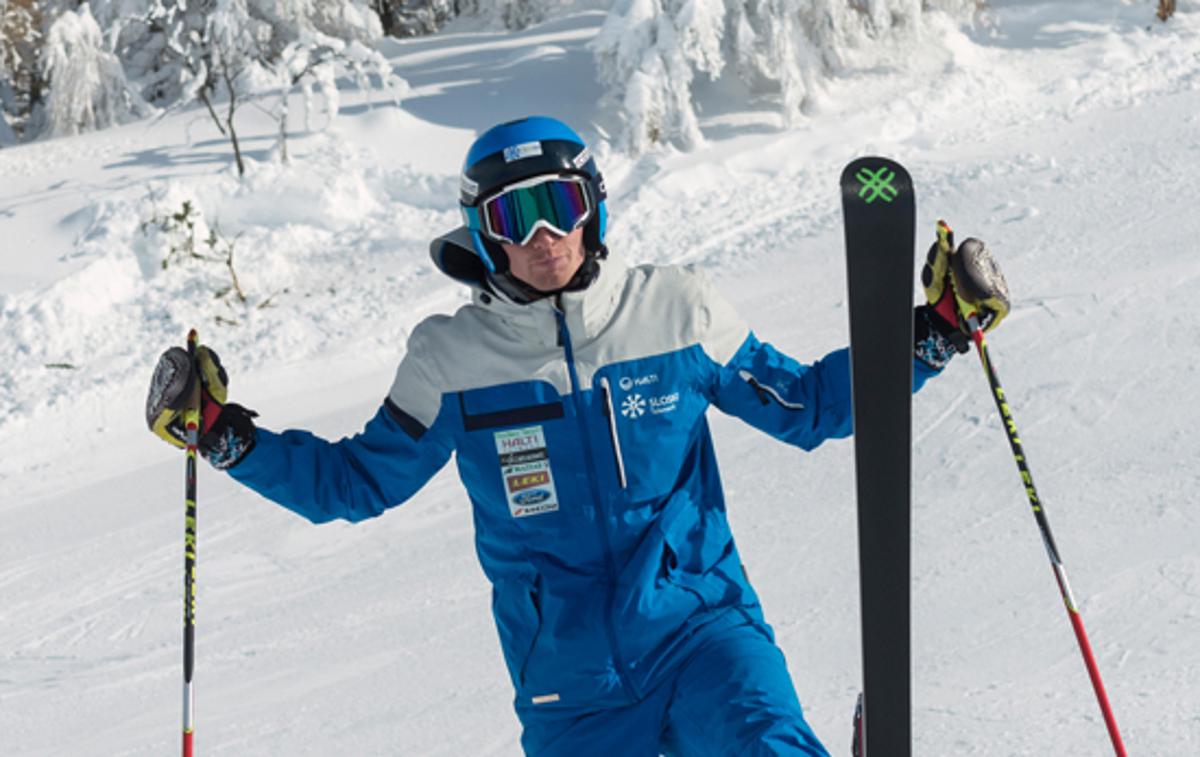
959, 285
227, 431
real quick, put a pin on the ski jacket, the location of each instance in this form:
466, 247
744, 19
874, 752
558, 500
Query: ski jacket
578, 427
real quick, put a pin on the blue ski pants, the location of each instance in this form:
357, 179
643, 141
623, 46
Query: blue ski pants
731, 696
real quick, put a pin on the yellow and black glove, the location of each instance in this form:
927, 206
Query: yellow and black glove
960, 286
227, 431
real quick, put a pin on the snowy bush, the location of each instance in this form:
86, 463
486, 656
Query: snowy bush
650, 51
183, 237
87, 86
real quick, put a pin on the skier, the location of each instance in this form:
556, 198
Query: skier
573, 392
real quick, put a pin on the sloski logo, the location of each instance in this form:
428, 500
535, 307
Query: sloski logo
633, 406
664, 403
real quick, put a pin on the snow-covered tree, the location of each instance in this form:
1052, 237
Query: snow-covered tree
159, 42
519, 14
410, 18
20, 69
87, 87
250, 49
312, 63
650, 51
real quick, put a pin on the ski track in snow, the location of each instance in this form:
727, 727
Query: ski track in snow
1061, 133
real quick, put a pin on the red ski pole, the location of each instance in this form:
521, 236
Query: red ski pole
945, 238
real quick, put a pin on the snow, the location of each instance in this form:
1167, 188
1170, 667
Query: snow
1060, 132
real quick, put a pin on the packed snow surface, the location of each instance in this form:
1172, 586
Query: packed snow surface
1063, 133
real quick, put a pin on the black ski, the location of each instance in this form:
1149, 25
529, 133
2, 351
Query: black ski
880, 217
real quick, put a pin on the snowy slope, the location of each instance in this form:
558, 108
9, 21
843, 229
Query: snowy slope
1063, 133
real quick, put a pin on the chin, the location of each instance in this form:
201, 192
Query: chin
553, 285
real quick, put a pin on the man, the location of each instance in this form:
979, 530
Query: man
573, 391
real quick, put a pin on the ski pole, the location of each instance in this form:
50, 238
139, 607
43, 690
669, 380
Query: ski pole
191, 421
945, 238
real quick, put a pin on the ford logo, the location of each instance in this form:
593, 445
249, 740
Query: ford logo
531, 497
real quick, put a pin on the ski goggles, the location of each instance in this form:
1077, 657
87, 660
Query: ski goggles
560, 203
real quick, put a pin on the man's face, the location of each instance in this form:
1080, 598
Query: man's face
549, 261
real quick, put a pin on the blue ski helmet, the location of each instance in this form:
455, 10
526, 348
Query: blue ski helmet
519, 150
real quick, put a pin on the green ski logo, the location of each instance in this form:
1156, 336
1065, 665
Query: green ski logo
877, 184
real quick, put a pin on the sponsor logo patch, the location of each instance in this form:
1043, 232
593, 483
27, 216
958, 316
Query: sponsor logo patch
532, 497
468, 187
524, 150
527, 480
580, 160
525, 470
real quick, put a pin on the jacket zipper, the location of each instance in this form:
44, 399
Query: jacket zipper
612, 431
601, 514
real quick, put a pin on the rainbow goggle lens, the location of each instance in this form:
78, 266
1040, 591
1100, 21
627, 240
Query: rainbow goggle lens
558, 203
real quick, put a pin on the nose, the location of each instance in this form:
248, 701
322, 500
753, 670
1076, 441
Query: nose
543, 239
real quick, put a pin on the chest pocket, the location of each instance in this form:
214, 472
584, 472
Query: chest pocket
514, 452
510, 405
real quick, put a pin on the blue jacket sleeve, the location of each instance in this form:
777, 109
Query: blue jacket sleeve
800, 404
353, 479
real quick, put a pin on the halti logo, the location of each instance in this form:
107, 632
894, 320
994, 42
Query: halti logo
524, 441
628, 382
633, 406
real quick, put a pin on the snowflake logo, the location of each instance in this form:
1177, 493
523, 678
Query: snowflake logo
633, 406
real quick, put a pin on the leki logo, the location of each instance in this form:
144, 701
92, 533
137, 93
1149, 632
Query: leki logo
633, 406
877, 184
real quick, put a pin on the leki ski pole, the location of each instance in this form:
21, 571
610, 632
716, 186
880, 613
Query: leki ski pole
946, 241
191, 421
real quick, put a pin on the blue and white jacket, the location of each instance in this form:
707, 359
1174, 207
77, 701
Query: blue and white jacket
579, 428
